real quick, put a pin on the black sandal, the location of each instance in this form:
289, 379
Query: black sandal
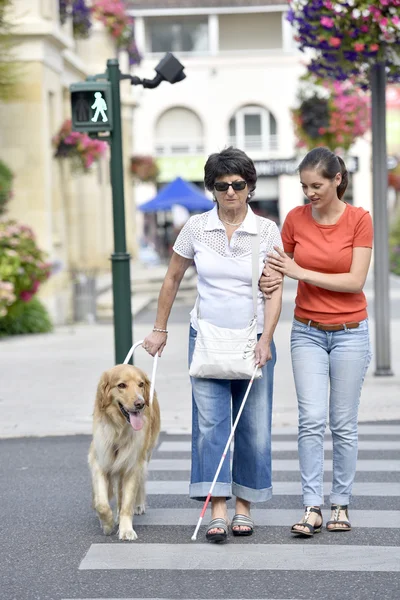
242, 521
335, 521
311, 528
220, 536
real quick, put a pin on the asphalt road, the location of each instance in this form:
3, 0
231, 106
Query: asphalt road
53, 548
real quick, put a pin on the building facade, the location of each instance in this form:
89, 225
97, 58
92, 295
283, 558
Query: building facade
70, 215
242, 69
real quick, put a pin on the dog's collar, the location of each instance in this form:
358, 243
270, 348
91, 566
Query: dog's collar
124, 412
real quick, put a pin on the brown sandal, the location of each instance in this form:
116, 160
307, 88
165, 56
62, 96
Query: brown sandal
335, 521
311, 528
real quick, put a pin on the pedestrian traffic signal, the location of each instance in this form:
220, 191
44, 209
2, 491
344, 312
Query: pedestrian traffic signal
91, 106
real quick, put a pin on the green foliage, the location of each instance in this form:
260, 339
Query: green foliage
23, 265
6, 178
25, 317
9, 69
394, 245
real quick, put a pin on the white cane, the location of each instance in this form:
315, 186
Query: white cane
153, 374
228, 443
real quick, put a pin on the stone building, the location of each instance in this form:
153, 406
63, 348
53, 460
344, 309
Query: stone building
71, 215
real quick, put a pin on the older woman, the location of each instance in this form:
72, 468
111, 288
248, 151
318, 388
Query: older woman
219, 242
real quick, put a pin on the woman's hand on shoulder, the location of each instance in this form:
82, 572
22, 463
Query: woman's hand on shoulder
263, 352
269, 281
155, 342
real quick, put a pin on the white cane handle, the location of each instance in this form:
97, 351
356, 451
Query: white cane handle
153, 374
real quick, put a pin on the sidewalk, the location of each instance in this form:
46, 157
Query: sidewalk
48, 382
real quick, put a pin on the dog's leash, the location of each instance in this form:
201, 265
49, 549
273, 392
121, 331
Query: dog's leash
153, 374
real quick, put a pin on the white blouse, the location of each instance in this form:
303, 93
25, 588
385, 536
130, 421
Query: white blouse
224, 269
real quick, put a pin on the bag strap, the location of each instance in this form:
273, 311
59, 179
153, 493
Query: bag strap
255, 251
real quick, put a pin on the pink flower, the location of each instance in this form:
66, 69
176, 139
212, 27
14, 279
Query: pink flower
334, 42
374, 47
327, 22
26, 296
359, 47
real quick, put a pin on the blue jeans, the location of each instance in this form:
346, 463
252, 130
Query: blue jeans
329, 369
215, 404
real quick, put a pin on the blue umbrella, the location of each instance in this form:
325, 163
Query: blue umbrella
178, 192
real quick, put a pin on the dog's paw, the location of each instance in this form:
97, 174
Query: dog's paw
128, 535
108, 528
140, 509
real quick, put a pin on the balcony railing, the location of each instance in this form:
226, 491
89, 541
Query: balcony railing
178, 147
253, 143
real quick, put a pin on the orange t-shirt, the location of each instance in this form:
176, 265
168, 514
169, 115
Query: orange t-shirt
327, 249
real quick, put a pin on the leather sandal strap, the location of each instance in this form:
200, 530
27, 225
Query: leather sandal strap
242, 521
218, 523
314, 510
307, 525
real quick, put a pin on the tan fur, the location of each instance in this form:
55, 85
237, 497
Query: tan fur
118, 455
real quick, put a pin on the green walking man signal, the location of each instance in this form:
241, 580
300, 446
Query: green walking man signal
91, 106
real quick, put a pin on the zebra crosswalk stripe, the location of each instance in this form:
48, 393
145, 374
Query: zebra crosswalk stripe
380, 484
233, 557
176, 464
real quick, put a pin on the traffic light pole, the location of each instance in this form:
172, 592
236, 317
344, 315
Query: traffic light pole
96, 108
120, 259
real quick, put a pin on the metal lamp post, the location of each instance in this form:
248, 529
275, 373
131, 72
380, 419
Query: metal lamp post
96, 108
381, 227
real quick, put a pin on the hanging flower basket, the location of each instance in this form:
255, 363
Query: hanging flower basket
349, 36
144, 168
113, 15
82, 150
331, 114
80, 14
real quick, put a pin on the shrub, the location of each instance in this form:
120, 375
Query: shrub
25, 317
6, 178
22, 265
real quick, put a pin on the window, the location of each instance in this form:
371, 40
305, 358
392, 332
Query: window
257, 31
179, 131
253, 128
179, 34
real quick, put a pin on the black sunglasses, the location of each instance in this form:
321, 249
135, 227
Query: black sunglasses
222, 186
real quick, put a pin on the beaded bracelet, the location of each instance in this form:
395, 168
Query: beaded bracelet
160, 330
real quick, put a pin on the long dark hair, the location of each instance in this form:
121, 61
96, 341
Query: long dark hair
328, 165
231, 161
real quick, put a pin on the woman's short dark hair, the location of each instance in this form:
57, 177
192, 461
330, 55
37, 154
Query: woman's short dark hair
328, 165
231, 161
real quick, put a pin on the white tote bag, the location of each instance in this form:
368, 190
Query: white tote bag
223, 353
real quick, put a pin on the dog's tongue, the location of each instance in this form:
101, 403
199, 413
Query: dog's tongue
136, 420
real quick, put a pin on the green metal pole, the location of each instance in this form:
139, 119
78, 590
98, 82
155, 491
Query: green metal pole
120, 259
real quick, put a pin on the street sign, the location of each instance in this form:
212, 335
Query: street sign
91, 106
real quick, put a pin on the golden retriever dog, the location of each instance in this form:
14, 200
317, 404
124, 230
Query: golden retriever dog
125, 432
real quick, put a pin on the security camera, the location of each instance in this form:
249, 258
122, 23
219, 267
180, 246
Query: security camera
168, 69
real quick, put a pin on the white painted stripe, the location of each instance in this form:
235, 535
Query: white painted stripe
269, 517
291, 445
237, 556
183, 464
282, 488
362, 430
